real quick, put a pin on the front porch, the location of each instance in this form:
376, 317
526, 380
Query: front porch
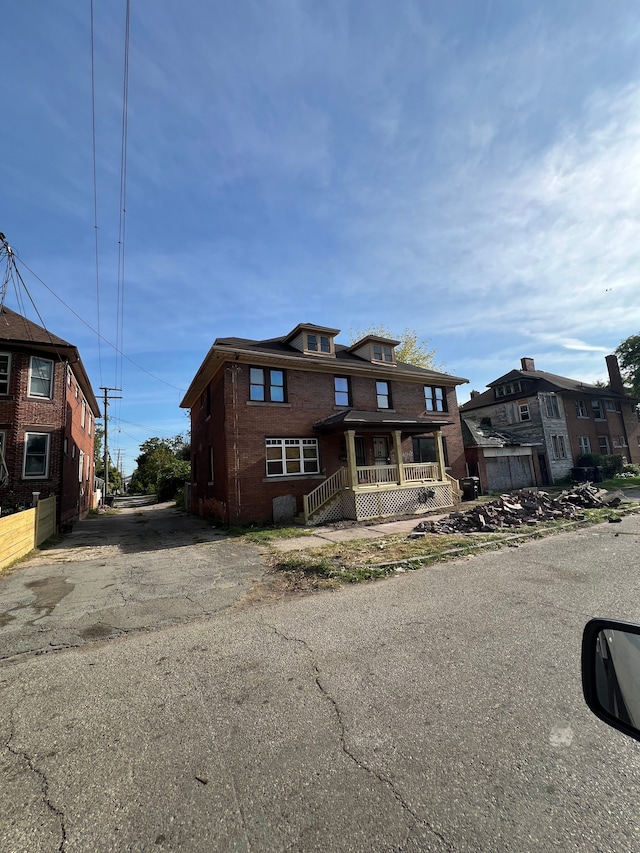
359, 492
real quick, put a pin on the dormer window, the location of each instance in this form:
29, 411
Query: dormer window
318, 343
382, 352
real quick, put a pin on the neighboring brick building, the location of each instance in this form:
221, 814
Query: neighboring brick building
530, 427
302, 424
47, 414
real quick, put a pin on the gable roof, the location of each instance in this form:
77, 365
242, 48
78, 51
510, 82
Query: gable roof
541, 381
279, 351
18, 331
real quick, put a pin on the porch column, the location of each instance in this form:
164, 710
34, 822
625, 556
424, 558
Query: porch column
397, 446
440, 454
351, 457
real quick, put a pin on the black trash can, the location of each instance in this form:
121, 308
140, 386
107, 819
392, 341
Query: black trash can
598, 474
470, 488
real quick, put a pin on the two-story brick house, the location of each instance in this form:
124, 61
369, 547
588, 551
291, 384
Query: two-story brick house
327, 430
530, 427
47, 415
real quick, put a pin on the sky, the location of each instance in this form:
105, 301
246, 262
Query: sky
469, 170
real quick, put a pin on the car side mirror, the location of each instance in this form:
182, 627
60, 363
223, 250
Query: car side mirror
611, 673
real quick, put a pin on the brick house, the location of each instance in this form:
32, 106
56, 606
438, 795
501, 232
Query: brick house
47, 414
303, 425
530, 427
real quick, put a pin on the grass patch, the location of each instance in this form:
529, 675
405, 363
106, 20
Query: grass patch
618, 483
330, 566
264, 535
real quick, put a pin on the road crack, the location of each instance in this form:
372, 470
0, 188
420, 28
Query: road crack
44, 784
375, 774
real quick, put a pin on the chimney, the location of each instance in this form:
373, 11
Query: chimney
475, 394
528, 364
615, 379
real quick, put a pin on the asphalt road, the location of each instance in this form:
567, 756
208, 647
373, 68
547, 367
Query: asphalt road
440, 710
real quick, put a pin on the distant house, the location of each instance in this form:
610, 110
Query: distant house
303, 425
530, 427
47, 414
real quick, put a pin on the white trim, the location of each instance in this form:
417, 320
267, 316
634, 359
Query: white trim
37, 476
30, 391
298, 443
8, 379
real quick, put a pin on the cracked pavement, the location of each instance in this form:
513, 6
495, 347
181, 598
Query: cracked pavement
439, 710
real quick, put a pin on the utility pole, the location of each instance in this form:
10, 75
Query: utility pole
106, 401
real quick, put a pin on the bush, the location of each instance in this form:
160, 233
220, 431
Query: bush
611, 465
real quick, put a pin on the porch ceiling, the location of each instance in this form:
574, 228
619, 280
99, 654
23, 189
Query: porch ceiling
376, 421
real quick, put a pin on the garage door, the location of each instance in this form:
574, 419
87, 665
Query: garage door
509, 472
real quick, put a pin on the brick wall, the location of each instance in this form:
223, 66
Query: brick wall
237, 427
59, 417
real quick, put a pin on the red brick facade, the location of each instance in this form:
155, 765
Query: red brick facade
47, 428
231, 429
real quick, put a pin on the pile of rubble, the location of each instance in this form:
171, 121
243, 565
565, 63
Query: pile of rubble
524, 508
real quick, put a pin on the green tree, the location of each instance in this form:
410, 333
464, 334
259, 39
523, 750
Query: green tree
411, 350
628, 353
157, 466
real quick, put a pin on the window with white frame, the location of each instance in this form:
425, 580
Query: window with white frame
550, 405
516, 412
435, 398
40, 377
36, 455
81, 466
598, 413
83, 414
559, 447
619, 441
584, 443
5, 372
266, 386
292, 456
603, 444
523, 412
612, 405
341, 391
581, 409
383, 395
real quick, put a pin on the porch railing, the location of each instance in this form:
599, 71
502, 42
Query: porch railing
455, 488
421, 471
372, 475
324, 492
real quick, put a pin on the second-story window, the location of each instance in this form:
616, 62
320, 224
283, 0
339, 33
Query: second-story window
383, 395
40, 377
581, 409
435, 399
266, 386
598, 413
5, 372
341, 391
551, 408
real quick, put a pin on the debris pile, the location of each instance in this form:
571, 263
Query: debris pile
523, 508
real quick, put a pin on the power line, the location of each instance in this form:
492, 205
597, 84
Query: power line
123, 193
98, 335
95, 188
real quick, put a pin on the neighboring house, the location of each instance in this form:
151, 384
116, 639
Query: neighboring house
47, 414
304, 425
530, 427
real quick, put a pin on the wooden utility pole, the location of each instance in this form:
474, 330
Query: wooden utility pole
106, 433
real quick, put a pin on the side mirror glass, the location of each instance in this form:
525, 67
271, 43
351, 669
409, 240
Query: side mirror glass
611, 673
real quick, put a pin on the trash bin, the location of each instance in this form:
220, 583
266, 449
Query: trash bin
470, 488
598, 474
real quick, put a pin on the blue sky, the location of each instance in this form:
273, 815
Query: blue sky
470, 170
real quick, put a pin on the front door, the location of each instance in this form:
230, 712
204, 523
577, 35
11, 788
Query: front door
381, 450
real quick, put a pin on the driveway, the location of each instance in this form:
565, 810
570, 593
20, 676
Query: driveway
140, 568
